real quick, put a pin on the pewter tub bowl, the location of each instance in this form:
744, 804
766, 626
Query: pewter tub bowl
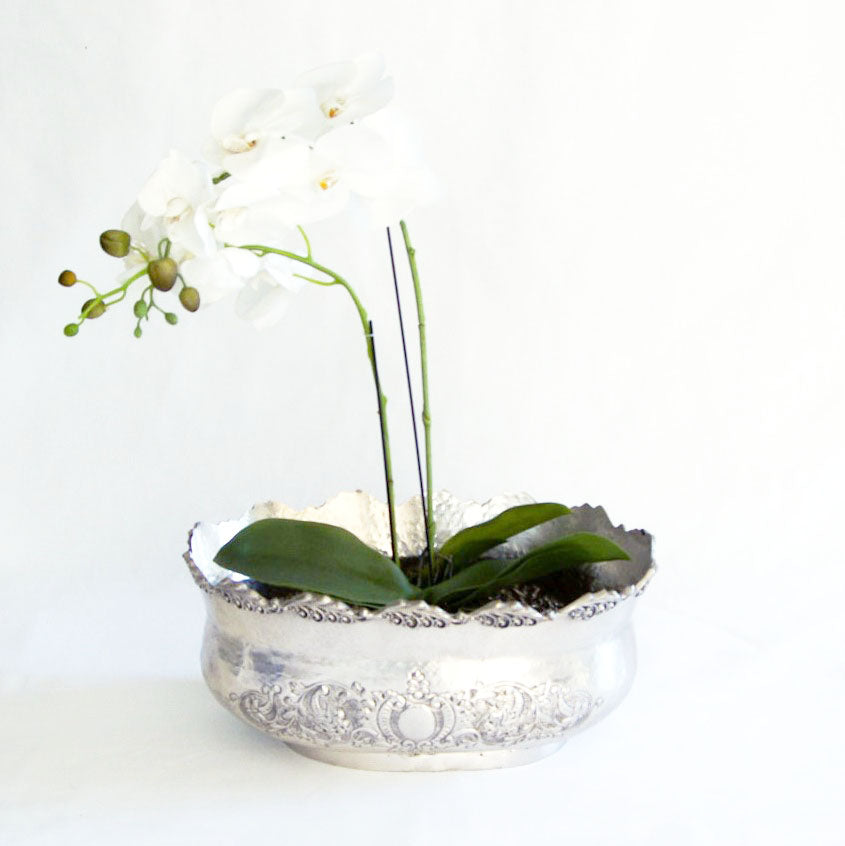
411, 686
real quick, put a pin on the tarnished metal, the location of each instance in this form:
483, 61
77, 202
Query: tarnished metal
414, 687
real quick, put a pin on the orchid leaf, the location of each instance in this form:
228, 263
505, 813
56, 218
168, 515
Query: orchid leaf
470, 543
467, 581
561, 554
484, 578
315, 557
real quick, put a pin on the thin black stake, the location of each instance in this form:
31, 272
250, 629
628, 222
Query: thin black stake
384, 448
411, 400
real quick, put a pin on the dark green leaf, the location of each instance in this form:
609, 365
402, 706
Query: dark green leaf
484, 578
467, 545
471, 578
569, 551
315, 557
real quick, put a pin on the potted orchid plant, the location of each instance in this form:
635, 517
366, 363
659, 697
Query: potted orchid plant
233, 223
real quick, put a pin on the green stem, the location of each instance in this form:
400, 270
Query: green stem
426, 411
117, 299
83, 282
337, 279
120, 289
154, 304
307, 242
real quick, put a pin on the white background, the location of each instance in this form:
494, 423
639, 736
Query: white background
635, 289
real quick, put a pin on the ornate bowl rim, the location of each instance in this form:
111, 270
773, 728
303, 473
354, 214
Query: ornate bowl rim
415, 613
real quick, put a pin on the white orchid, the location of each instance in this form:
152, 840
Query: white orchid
203, 231
313, 191
291, 157
245, 120
279, 159
217, 274
264, 285
173, 201
346, 91
266, 295
256, 223
145, 240
367, 167
301, 183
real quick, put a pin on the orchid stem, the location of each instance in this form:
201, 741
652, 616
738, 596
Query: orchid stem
307, 242
337, 279
430, 563
100, 298
388, 470
426, 411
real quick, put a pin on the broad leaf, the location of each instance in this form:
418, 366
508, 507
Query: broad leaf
469, 544
315, 557
560, 554
470, 579
484, 578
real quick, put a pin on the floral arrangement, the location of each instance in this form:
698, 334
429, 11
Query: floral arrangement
231, 223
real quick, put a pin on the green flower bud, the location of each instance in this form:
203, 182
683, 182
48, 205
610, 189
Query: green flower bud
71, 329
163, 273
137, 333
140, 309
67, 278
190, 298
96, 311
115, 242
171, 318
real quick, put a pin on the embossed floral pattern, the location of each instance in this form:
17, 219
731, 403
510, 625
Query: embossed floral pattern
417, 720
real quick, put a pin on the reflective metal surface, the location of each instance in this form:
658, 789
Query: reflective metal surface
411, 687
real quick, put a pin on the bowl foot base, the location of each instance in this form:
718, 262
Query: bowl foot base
397, 762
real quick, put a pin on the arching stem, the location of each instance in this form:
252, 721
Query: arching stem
337, 279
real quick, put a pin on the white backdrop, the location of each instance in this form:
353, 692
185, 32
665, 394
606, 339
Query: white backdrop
635, 290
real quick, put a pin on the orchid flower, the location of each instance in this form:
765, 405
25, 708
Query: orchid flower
296, 183
173, 201
346, 92
267, 293
245, 120
279, 158
264, 285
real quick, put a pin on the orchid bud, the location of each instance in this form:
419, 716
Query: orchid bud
171, 318
140, 309
137, 333
71, 329
190, 298
67, 278
163, 273
115, 242
97, 308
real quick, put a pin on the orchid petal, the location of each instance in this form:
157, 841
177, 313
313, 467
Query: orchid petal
244, 115
177, 181
282, 271
346, 91
212, 276
262, 301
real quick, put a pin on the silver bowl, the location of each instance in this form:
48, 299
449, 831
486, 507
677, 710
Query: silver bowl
412, 686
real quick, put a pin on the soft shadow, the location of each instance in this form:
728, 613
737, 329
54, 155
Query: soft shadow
153, 738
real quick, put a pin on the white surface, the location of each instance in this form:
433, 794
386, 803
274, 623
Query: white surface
635, 288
